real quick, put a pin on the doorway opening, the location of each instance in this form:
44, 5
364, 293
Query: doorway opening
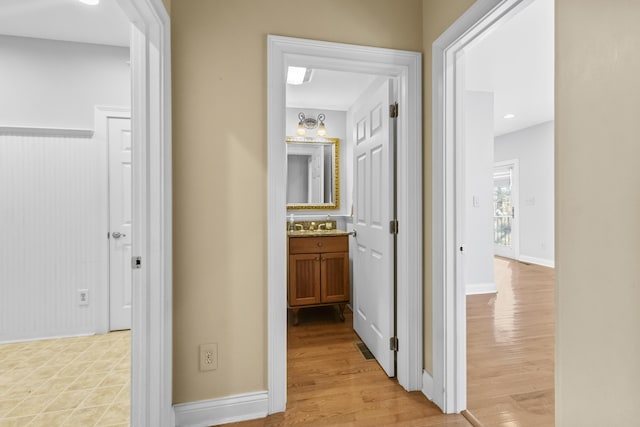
505, 199
454, 198
405, 67
150, 376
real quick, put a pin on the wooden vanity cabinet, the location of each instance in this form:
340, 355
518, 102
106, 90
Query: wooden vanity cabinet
318, 272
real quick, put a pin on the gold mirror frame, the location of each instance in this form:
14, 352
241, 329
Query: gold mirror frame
336, 172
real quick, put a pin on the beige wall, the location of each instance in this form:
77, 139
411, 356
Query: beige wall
219, 77
220, 168
167, 5
438, 15
597, 212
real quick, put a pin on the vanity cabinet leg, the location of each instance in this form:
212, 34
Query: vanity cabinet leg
341, 311
295, 316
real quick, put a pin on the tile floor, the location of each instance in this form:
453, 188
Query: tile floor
78, 382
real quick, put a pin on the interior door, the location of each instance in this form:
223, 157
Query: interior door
119, 142
373, 288
505, 220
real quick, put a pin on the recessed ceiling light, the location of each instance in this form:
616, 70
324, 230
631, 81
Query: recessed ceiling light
298, 75
509, 116
90, 2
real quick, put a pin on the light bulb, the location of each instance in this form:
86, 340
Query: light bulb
322, 131
301, 131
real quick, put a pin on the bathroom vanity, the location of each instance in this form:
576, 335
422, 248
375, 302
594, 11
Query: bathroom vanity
318, 269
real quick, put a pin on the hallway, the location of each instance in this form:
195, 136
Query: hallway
330, 383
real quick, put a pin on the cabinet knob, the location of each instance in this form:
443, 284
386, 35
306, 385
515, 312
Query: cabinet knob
317, 258
319, 244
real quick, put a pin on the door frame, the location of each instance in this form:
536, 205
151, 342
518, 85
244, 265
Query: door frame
449, 313
515, 196
151, 332
406, 67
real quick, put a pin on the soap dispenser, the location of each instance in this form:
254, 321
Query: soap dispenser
291, 227
328, 225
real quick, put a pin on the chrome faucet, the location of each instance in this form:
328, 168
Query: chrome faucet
299, 225
322, 226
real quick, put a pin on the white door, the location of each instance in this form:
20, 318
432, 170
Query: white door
505, 209
373, 276
119, 142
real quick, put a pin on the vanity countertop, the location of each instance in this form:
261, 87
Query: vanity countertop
317, 233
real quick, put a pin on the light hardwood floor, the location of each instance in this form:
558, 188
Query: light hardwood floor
510, 348
510, 365
331, 384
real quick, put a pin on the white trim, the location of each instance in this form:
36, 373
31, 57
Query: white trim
40, 131
151, 335
427, 385
538, 261
231, 409
57, 337
481, 288
449, 314
406, 68
101, 115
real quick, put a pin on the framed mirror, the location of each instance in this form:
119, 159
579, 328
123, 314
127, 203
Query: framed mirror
313, 173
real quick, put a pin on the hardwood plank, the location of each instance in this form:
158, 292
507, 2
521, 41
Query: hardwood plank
510, 365
331, 384
510, 348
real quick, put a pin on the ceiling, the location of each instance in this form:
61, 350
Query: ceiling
328, 90
67, 20
515, 62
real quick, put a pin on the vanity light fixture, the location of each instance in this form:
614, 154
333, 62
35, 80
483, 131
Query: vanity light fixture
311, 123
90, 2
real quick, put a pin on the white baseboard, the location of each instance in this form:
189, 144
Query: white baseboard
54, 337
538, 261
427, 384
241, 407
481, 288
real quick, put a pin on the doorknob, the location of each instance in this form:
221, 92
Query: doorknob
354, 233
117, 235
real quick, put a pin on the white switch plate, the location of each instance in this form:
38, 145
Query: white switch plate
83, 296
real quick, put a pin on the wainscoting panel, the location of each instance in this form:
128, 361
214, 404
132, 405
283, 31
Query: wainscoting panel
53, 229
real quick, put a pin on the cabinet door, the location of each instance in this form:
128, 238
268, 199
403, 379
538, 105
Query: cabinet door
335, 277
304, 279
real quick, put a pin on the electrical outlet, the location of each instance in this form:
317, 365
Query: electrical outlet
208, 357
83, 296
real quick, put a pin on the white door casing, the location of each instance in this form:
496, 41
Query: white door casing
151, 337
449, 314
120, 222
373, 288
406, 68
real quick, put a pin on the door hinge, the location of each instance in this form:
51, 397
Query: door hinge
393, 344
393, 226
393, 110
136, 262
